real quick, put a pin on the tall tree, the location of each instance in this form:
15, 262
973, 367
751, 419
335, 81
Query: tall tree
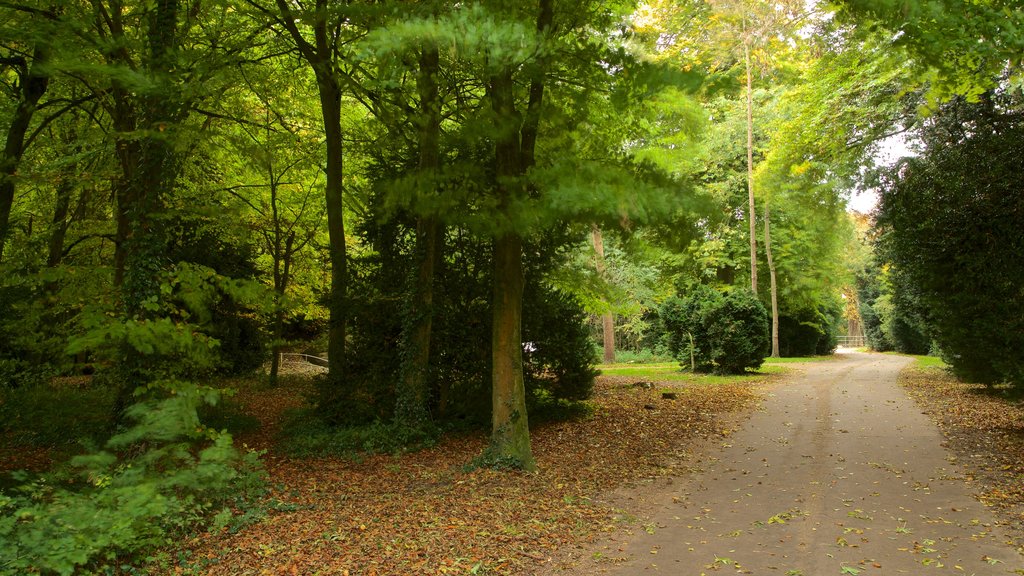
411, 407
325, 21
607, 318
29, 60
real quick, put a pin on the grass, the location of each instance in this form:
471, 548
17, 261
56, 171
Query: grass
670, 372
930, 362
923, 361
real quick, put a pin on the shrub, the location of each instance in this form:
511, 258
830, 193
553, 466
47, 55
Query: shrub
808, 332
724, 333
151, 484
949, 223
560, 356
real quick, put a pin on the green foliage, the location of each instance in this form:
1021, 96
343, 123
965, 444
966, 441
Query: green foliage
949, 227
559, 357
809, 332
307, 434
890, 312
55, 415
152, 483
961, 46
495, 460
557, 360
725, 333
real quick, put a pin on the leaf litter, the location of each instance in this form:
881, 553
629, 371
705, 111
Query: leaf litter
985, 431
422, 513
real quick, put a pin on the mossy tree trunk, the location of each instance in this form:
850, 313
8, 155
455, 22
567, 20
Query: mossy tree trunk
411, 407
515, 146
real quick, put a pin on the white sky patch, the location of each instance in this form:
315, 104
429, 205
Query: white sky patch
891, 149
888, 152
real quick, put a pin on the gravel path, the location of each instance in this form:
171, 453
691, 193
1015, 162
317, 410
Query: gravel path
838, 473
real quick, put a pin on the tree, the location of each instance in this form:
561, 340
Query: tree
959, 47
322, 54
948, 225
607, 319
29, 58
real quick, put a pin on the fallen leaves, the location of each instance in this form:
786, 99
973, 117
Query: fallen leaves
986, 433
422, 514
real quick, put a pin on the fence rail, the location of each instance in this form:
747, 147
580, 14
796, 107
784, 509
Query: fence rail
309, 358
851, 341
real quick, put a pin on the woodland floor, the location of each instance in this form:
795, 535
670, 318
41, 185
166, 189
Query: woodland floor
422, 513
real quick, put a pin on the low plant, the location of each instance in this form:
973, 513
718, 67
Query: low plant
162, 476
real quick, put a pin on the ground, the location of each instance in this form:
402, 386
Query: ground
817, 468
423, 513
839, 472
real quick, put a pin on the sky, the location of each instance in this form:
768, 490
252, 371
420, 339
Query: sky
889, 151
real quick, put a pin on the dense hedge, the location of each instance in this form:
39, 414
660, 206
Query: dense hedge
950, 223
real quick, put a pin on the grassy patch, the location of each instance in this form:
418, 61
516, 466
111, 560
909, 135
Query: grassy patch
923, 361
930, 362
671, 372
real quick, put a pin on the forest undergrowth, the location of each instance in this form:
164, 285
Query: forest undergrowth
427, 513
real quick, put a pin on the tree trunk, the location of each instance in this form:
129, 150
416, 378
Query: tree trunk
33, 85
411, 408
59, 223
150, 167
330, 106
771, 274
752, 215
510, 431
607, 319
412, 403
515, 142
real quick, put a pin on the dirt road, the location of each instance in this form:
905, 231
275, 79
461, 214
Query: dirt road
838, 473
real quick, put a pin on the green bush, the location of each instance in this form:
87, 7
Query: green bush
306, 433
558, 354
723, 333
48, 415
949, 223
808, 332
559, 357
160, 477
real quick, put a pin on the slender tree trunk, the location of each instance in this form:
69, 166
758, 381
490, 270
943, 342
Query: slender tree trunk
412, 403
33, 85
607, 319
771, 274
282, 259
59, 223
330, 104
125, 121
752, 215
411, 408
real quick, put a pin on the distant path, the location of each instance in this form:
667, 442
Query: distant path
838, 473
